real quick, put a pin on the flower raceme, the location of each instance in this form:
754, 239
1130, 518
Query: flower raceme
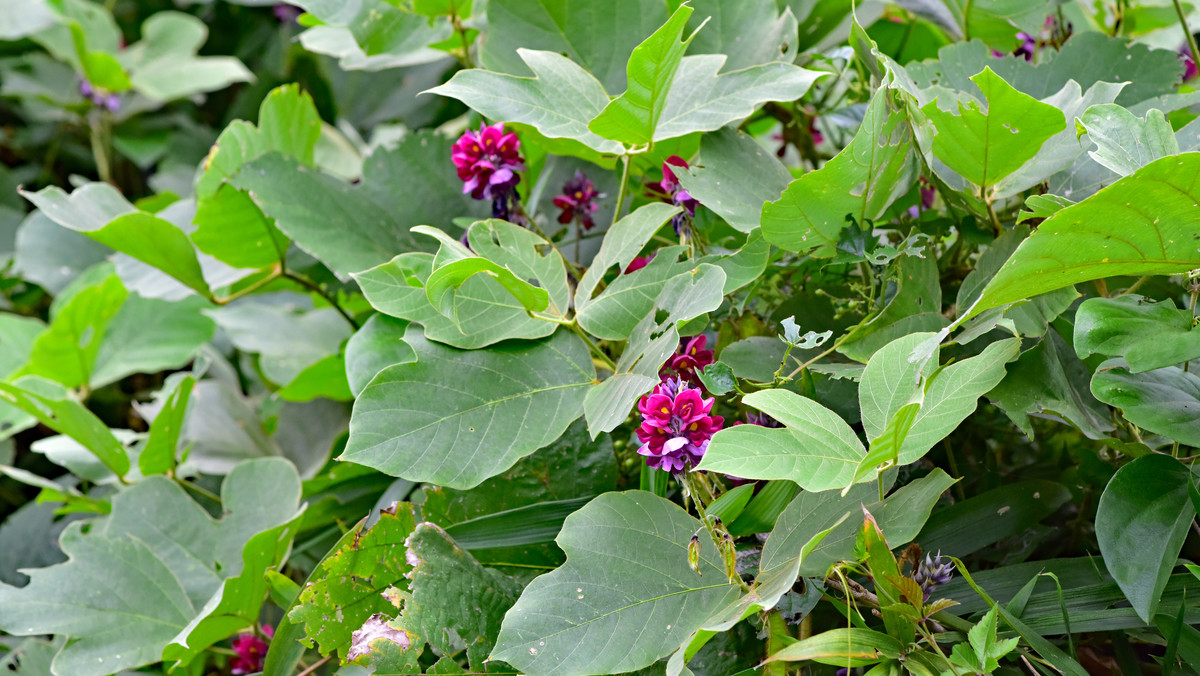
932, 572
677, 423
250, 652
488, 161
690, 359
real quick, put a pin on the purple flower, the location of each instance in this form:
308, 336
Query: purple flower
676, 425
578, 201
488, 161
689, 358
932, 572
671, 191
100, 97
251, 651
639, 263
286, 13
1026, 48
1189, 66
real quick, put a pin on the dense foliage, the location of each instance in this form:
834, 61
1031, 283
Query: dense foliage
598, 337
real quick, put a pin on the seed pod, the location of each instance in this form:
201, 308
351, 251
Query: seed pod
693, 554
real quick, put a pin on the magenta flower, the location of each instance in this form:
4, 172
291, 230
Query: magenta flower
487, 162
578, 201
690, 358
671, 191
677, 423
1189, 66
251, 651
639, 263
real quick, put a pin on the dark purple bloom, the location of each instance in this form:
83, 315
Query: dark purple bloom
689, 358
578, 201
1189, 66
931, 573
1026, 48
676, 425
100, 97
251, 651
286, 13
487, 162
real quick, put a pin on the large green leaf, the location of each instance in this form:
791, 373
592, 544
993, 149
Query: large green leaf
614, 28
1110, 233
566, 621
373, 34
456, 418
1147, 334
17, 335
728, 23
734, 177
900, 516
625, 302
633, 117
67, 350
1141, 522
1165, 401
541, 101
137, 578
287, 341
163, 65
1050, 380
984, 147
1124, 141
817, 449
148, 335
374, 347
862, 181
701, 100
622, 243
347, 587
55, 408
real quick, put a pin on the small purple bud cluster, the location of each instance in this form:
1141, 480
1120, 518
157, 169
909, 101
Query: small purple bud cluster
689, 359
932, 572
487, 162
677, 423
578, 201
100, 98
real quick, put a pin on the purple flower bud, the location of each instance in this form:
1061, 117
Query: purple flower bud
932, 572
112, 102
689, 358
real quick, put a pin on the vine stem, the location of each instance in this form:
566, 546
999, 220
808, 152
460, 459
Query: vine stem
621, 191
314, 287
99, 150
316, 665
1187, 32
592, 347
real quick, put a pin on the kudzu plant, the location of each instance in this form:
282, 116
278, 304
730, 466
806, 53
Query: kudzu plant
605, 337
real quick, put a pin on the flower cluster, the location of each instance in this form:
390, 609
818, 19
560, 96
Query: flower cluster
578, 201
100, 97
487, 162
670, 190
250, 652
677, 423
931, 573
689, 359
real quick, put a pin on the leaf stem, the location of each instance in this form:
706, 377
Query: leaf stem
314, 287
99, 150
1187, 32
621, 191
204, 492
249, 289
593, 347
316, 665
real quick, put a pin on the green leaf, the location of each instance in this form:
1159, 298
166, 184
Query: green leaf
373, 34
1164, 401
633, 117
158, 455
718, 378
521, 397
100, 212
1125, 142
817, 449
287, 342
565, 620
538, 101
862, 181
137, 578
914, 307
346, 589
229, 226
624, 240
969, 525
734, 177
163, 65
374, 347
453, 596
54, 407
728, 24
17, 335
67, 350
1147, 334
701, 100
1050, 380
1148, 497
148, 335
614, 28
1109, 234
845, 647
984, 147
617, 311
900, 517
486, 313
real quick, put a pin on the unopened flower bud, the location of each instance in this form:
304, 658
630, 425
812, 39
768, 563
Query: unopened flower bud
729, 555
693, 554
